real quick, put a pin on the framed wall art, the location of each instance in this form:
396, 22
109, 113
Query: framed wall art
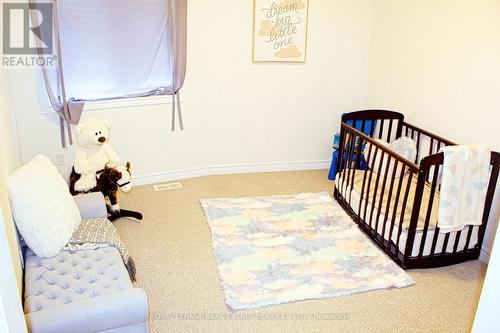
280, 30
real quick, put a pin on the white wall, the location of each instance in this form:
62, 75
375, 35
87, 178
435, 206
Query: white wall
487, 310
11, 313
9, 160
235, 112
437, 61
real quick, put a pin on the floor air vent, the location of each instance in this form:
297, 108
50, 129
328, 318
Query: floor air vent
167, 186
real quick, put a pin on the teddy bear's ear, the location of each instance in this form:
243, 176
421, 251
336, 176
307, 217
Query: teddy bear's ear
108, 124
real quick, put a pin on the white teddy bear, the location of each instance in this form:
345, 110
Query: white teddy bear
93, 152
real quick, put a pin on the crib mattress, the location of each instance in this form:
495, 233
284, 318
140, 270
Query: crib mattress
354, 198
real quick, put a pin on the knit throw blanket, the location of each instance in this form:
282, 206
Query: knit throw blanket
97, 233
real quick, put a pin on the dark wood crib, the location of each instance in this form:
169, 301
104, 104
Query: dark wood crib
396, 202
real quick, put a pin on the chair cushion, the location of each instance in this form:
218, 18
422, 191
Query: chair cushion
71, 276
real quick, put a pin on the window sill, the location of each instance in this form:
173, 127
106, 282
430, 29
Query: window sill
120, 103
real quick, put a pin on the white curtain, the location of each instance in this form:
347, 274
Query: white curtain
114, 48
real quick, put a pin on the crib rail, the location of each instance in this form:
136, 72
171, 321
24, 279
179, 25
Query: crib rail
381, 124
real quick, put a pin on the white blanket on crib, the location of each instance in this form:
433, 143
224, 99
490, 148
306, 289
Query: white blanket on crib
463, 186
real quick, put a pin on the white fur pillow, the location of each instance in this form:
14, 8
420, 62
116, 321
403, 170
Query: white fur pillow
404, 146
43, 209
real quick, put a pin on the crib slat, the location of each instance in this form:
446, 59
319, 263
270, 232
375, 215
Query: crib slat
403, 209
358, 153
457, 240
439, 167
369, 183
429, 211
374, 197
343, 139
431, 146
342, 164
381, 129
389, 131
372, 128
434, 241
379, 210
439, 145
364, 180
445, 243
389, 200
418, 147
363, 123
349, 165
359, 144
395, 208
469, 235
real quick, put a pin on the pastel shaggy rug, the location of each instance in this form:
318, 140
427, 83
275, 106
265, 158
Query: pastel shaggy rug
278, 249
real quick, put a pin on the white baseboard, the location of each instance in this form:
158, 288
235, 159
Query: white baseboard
153, 178
485, 255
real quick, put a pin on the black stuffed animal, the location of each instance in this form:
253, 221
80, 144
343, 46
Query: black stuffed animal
109, 180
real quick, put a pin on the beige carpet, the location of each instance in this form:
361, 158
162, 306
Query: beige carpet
176, 267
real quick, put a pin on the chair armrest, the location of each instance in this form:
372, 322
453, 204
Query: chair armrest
91, 205
107, 312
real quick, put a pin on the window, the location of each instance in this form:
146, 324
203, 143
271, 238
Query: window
114, 49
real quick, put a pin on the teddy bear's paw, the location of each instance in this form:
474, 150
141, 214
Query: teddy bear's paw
85, 184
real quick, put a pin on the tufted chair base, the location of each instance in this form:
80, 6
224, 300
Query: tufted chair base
82, 291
